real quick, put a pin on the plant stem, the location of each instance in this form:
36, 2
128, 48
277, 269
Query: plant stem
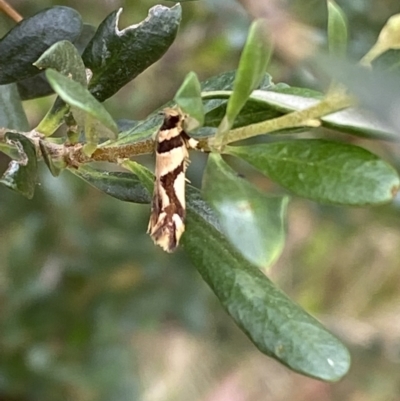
8, 10
334, 102
73, 155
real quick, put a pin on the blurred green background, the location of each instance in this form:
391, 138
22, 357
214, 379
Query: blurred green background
91, 310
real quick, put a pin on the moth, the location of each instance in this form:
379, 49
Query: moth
168, 208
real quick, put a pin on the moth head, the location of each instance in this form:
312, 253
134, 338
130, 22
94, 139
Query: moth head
173, 117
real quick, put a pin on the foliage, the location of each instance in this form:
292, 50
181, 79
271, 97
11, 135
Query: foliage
233, 228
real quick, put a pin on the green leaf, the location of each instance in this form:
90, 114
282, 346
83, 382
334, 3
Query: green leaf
34, 87
142, 131
12, 114
252, 221
252, 112
188, 98
226, 80
121, 185
54, 165
252, 66
389, 38
37, 86
277, 326
388, 61
91, 114
324, 171
64, 58
337, 30
55, 117
144, 175
146, 129
118, 56
26, 42
216, 108
21, 176
85, 37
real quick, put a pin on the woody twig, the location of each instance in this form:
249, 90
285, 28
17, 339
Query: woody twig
8, 10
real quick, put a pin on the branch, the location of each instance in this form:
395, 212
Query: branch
74, 155
334, 102
8, 10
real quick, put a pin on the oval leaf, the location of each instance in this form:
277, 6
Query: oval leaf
277, 326
21, 175
116, 57
80, 98
389, 38
37, 86
12, 114
121, 185
252, 221
324, 171
188, 98
252, 66
337, 30
388, 61
64, 57
26, 42
55, 166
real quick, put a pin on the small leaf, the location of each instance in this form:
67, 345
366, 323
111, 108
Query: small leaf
64, 58
188, 98
55, 166
388, 61
389, 38
141, 131
277, 326
146, 129
11, 151
252, 112
54, 118
337, 30
324, 171
118, 56
144, 175
37, 86
12, 114
252, 66
252, 221
121, 185
226, 80
80, 98
21, 176
26, 42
